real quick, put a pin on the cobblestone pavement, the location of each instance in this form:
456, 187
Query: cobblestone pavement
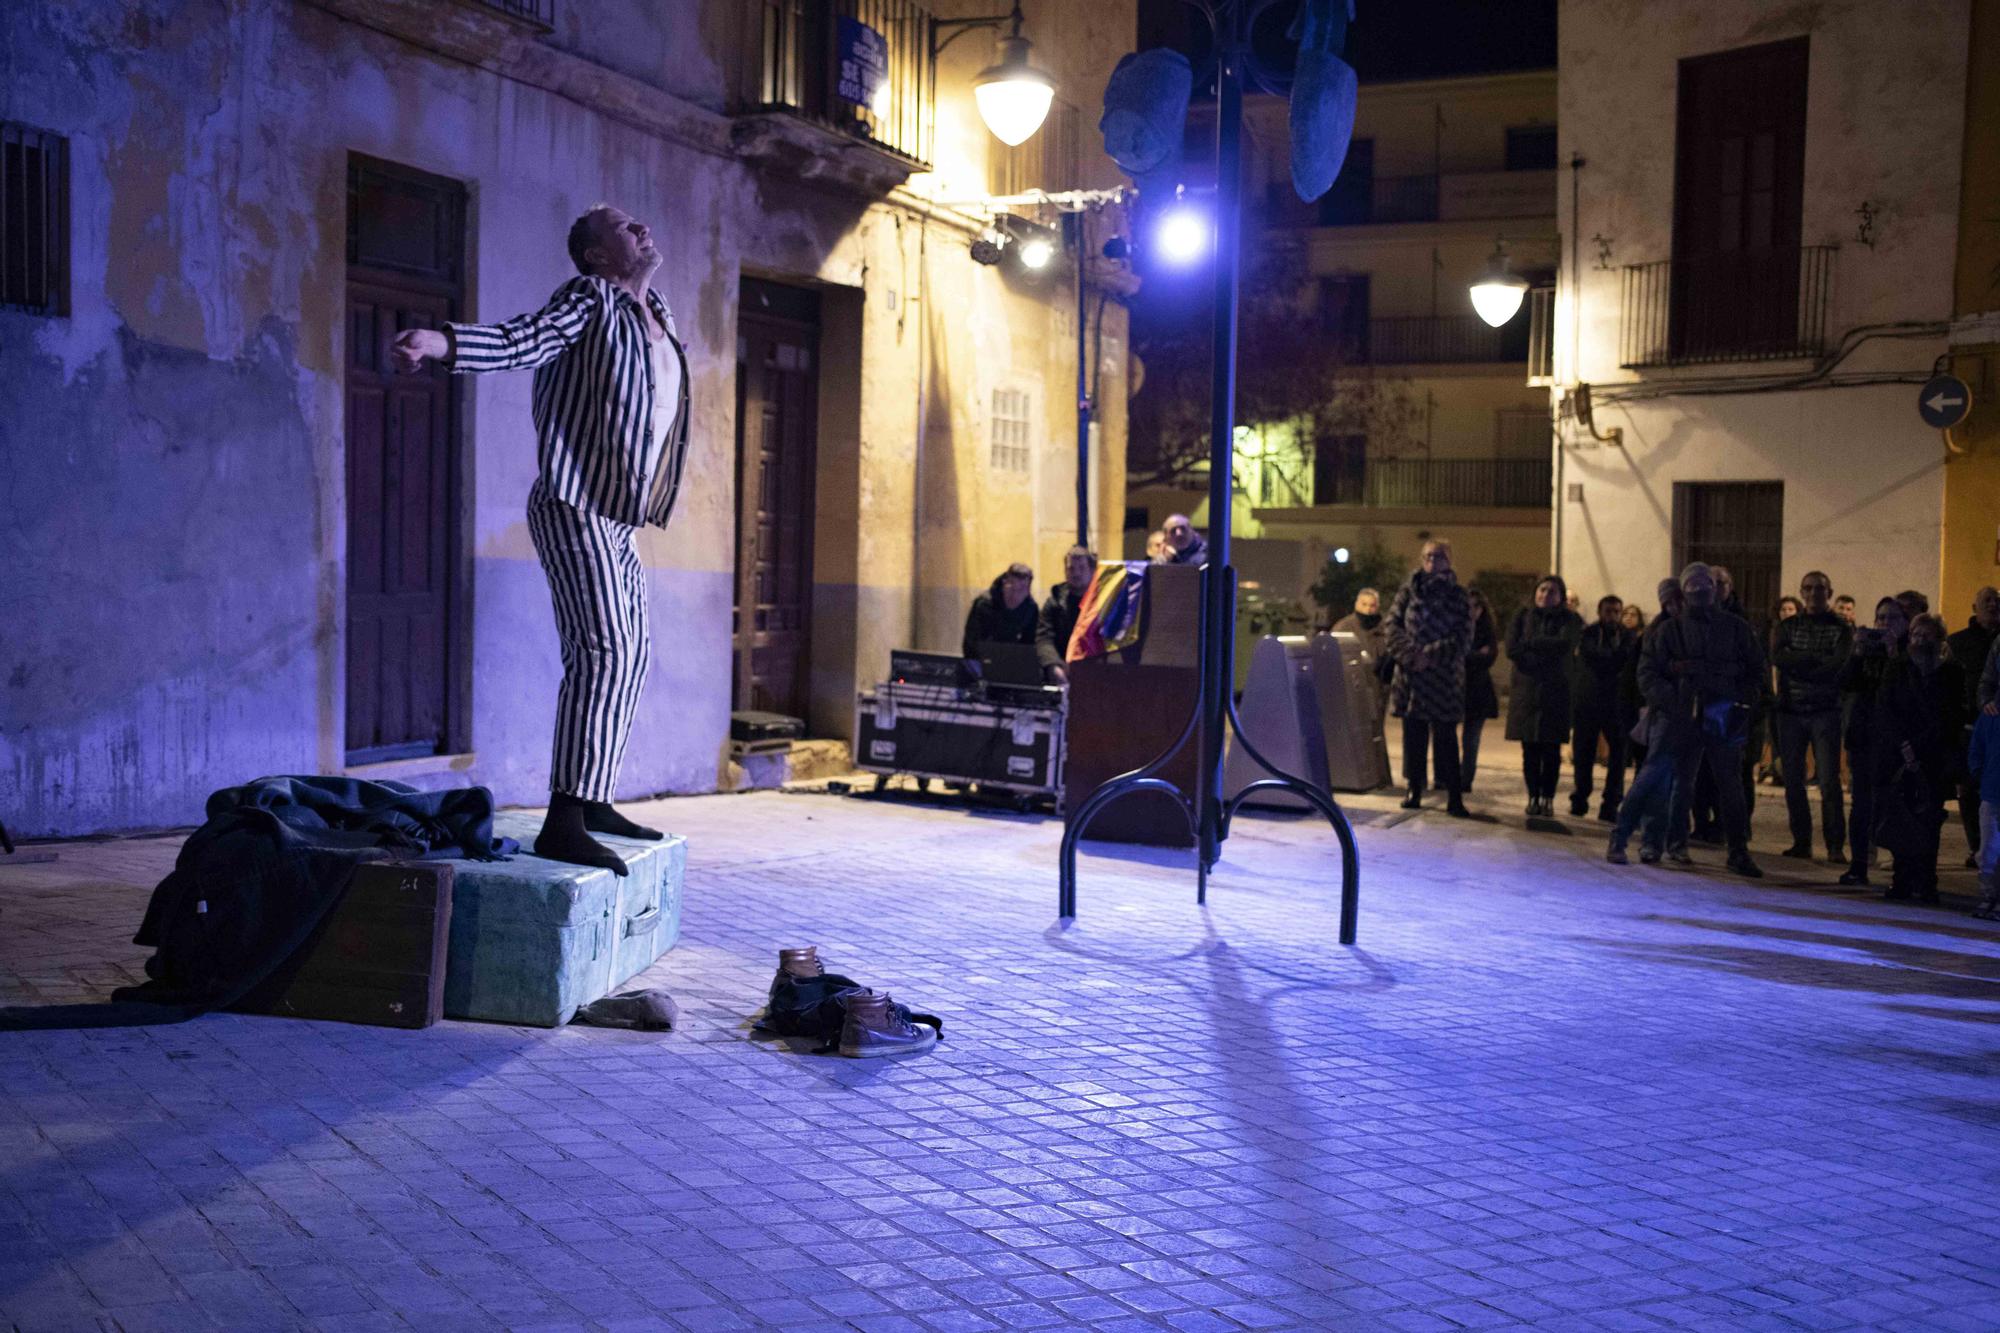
1541, 1093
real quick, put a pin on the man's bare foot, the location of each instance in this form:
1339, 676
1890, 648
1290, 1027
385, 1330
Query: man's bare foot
564, 838
599, 817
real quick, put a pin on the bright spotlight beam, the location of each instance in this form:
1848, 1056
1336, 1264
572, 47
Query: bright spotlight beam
1036, 253
1184, 235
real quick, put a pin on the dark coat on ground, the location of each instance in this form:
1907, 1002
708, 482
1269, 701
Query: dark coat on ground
1541, 643
1430, 627
1480, 700
1604, 653
991, 621
1056, 623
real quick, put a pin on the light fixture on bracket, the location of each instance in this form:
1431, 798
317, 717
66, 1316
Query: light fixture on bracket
1497, 295
1031, 245
1013, 96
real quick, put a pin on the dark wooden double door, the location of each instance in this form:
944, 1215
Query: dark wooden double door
405, 270
777, 408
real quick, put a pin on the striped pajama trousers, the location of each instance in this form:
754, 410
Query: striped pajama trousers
599, 590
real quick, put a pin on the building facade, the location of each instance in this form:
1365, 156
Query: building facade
1776, 220
1448, 438
236, 545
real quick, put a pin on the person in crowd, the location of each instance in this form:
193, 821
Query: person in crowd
1630, 701
1156, 546
1060, 609
1481, 703
1574, 601
1365, 620
1185, 546
1430, 627
1861, 680
1649, 808
1810, 651
1714, 665
1604, 653
1843, 606
1983, 762
1706, 803
1919, 717
1788, 606
1989, 681
1004, 613
1914, 604
1970, 648
1541, 643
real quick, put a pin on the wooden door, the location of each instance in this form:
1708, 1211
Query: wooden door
1741, 526
777, 405
405, 253
1739, 183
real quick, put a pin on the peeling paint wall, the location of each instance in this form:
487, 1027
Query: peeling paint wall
173, 533
1863, 476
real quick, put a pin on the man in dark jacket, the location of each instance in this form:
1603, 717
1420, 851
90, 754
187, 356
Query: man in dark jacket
1810, 651
1603, 654
1704, 670
1185, 546
1004, 613
1970, 648
1919, 717
1059, 612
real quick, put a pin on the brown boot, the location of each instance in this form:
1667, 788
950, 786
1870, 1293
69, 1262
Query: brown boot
874, 1028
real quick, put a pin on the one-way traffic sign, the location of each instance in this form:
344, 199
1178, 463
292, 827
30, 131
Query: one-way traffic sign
1944, 401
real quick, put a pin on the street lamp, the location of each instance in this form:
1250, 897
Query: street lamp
1012, 95
1497, 295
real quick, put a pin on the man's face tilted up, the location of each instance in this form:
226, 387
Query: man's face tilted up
624, 250
1180, 532
1013, 590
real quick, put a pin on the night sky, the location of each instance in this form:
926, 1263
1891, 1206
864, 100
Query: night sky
1393, 39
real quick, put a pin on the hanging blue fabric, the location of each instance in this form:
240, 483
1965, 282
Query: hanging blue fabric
1145, 108
1324, 93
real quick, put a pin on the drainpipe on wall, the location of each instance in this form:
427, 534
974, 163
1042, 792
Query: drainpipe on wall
1556, 500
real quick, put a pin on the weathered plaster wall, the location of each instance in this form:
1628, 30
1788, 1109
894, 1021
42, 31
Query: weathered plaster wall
1863, 476
173, 542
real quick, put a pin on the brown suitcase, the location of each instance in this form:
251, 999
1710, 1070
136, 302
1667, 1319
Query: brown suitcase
377, 958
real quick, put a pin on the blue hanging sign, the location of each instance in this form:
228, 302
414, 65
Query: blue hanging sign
863, 55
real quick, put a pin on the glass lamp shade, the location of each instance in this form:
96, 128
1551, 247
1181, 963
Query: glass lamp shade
1013, 96
1497, 297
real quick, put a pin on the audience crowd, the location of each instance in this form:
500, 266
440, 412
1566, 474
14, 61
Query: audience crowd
1886, 722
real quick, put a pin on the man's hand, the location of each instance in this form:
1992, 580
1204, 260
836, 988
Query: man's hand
413, 347
1058, 676
1992, 709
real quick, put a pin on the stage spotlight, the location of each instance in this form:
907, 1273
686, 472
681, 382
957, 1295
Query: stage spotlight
1184, 234
1035, 252
989, 247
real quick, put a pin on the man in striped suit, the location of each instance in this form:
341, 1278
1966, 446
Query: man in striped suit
611, 413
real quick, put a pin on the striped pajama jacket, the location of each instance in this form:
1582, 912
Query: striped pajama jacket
602, 474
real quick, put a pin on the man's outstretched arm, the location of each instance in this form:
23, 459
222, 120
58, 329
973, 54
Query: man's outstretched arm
520, 343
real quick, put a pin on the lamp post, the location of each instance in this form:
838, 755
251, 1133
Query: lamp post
1013, 96
1209, 813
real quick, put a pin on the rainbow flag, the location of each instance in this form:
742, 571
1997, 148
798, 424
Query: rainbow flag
1109, 619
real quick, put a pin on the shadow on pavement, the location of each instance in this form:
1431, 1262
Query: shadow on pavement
1808, 970
1985, 966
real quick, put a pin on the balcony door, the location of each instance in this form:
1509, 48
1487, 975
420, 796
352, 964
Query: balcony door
1739, 175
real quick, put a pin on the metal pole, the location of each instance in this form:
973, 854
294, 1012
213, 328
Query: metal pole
1219, 587
1079, 232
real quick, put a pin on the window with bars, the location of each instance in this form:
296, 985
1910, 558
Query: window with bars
1009, 447
34, 220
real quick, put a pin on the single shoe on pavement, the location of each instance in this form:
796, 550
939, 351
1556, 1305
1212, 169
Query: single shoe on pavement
1649, 856
1852, 878
1679, 856
1615, 853
795, 965
875, 1029
1799, 851
1741, 863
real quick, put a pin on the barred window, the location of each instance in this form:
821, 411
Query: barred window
1010, 430
34, 220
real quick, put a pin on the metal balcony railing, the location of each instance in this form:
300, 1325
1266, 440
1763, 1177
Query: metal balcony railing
1428, 340
1419, 483
1750, 305
802, 41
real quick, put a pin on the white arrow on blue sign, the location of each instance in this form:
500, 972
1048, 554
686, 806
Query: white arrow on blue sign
1944, 401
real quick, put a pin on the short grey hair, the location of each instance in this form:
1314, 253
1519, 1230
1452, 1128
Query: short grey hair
583, 235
